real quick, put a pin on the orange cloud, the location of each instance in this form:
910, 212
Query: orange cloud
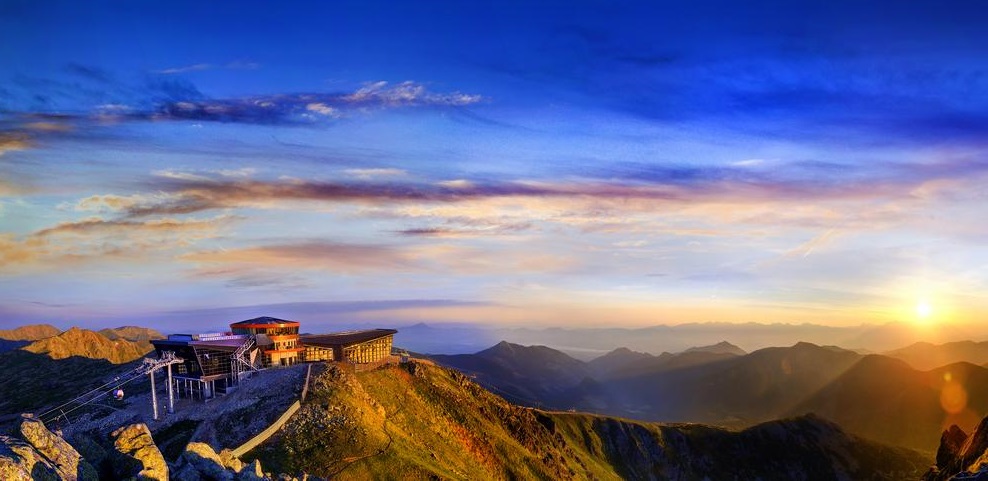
336, 257
12, 142
96, 239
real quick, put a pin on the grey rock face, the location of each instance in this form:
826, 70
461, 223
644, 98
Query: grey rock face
205, 460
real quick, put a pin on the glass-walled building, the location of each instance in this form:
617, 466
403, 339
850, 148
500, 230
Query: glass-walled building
277, 338
357, 347
211, 363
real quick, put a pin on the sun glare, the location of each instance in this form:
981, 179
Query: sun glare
923, 310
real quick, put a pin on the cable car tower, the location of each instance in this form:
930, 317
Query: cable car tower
148, 367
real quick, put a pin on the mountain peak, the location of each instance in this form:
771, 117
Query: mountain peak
722, 347
85, 343
132, 333
32, 332
503, 347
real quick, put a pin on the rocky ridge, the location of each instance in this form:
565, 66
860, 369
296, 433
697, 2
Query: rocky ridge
30, 333
961, 456
89, 344
128, 454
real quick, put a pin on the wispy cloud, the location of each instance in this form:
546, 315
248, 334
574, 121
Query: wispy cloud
321, 255
98, 239
184, 193
376, 172
208, 66
307, 108
360, 259
13, 141
178, 100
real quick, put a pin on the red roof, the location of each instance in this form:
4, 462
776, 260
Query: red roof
264, 322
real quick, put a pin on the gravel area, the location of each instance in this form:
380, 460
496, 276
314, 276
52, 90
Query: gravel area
228, 419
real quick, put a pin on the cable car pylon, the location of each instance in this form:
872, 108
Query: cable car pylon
114, 387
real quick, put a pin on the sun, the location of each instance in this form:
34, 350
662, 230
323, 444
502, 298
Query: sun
923, 310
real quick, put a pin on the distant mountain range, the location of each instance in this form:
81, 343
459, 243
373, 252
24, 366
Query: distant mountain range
870, 395
926, 356
94, 345
589, 343
117, 345
11, 339
29, 333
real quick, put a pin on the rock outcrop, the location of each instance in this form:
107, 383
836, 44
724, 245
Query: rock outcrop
205, 460
20, 461
961, 457
45, 456
41, 454
137, 457
67, 462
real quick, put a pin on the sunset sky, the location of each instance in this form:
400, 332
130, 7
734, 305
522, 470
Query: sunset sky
530, 163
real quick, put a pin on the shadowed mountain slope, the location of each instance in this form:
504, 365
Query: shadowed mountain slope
722, 347
30, 382
526, 374
887, 400
57, 368
740, 390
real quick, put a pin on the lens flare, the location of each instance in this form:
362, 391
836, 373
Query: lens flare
953, 398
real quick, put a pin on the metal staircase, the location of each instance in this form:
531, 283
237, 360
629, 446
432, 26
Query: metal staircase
242, 365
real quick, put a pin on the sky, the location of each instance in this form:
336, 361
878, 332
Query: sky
507, 163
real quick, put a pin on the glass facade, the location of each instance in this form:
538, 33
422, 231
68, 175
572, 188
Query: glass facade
370, 351
317, 353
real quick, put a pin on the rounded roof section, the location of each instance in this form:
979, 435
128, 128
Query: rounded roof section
265, 322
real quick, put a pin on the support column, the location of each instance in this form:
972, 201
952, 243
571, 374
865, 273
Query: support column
171, 394
154, 396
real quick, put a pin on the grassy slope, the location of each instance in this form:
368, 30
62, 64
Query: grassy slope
436, 423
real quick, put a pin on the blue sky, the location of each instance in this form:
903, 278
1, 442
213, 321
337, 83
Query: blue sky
565, 163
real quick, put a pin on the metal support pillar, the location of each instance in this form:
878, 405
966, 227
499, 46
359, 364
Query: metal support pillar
171, 395
154, 396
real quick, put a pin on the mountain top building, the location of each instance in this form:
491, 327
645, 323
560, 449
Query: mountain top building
351, 346
277, 339
211, 363
215, 363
